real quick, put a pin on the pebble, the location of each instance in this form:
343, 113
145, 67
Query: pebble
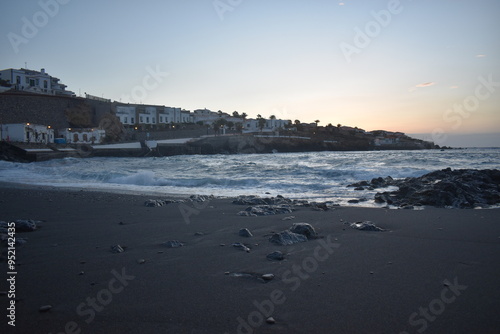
244, 232
45, 308
277, 255
270, 320
117, 249
267, 277
81, 273
141, 261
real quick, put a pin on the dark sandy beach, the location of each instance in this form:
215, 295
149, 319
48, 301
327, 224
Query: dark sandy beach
432, 270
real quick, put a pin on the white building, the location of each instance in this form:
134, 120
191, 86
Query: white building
34, 82
126, 114
27, 133
252, 125
82, 136
148, 115
133, 115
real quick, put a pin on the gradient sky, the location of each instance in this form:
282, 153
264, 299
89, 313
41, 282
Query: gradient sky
416, 70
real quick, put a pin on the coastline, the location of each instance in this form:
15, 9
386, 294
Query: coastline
346, 281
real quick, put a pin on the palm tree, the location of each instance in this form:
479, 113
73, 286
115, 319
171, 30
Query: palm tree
316, 121
236, 114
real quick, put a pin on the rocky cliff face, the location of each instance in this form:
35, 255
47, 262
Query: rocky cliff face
250, 144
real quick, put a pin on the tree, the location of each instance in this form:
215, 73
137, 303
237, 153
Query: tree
272, 117
316, 121
219, 124
236, 114
339, 125
261, 121
239, 127
244, 115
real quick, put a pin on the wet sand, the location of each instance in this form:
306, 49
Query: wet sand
432, 271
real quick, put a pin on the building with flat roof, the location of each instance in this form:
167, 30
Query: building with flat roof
38, 82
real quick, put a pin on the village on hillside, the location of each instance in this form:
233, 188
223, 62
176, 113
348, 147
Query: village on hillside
36, 107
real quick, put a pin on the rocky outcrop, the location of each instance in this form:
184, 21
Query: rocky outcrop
287, 238
305, 229
462, 188
366, 226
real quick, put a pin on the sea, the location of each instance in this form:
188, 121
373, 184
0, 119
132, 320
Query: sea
312, 176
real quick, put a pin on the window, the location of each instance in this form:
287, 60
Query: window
27, 80
141, 120
32, 82
45, 84
18, 80
154, 120
125, 120
132, 121
161, 119
147, 119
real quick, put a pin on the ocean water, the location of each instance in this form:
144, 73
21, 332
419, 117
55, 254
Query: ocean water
314, 176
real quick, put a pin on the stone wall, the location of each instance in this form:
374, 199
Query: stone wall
16, 107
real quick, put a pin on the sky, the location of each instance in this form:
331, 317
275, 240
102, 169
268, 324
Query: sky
426, 67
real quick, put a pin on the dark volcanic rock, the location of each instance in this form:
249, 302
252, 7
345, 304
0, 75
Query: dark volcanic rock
22, 225
276, 256
366, 226
377, 182
255, 200
304, 229
244, 232
156, 202
266, 210
462, 188
242, 247
287, 238
173, 244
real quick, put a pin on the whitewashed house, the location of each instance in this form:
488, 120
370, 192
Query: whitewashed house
127, 115
82, 136
271, 125
27, 133
34, 82
147, 116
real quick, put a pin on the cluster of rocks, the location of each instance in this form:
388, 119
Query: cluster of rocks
192, 198
263, 206
21, 225
378, 182
461, 188
299, 232
266, 210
